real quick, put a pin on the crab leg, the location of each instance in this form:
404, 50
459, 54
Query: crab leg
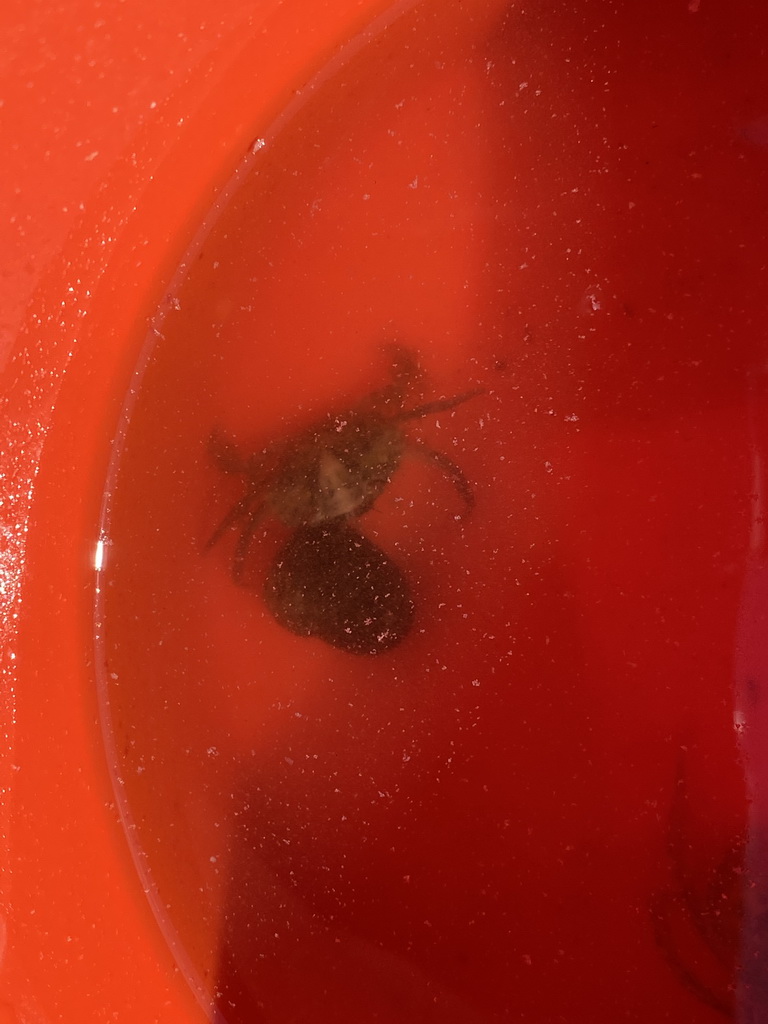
441, 404
238, 511
448, 467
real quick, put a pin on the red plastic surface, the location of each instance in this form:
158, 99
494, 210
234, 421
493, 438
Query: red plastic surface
619, 302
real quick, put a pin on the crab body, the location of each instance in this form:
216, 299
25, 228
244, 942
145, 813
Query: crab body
316, 482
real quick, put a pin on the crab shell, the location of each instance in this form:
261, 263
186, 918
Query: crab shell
339, 469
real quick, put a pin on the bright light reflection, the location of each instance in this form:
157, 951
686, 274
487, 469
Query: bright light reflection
100, 555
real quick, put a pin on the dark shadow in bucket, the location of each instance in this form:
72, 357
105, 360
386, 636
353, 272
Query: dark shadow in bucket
284, 960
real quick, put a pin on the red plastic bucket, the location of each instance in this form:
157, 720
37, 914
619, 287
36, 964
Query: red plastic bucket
544, 803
